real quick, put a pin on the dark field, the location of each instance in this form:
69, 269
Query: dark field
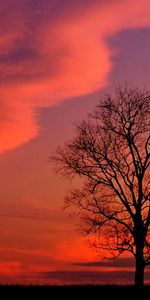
74, 291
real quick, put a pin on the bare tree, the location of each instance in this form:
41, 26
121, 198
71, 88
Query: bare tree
111, 152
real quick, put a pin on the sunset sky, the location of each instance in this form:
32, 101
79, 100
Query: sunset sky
57, 58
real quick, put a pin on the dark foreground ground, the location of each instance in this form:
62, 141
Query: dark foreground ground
74, 292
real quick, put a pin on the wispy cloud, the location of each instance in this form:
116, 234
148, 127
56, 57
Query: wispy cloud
90, 277
52, 50
31, 209
122, 262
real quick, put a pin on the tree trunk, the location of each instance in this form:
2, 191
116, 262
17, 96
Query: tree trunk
139, 267
139, 242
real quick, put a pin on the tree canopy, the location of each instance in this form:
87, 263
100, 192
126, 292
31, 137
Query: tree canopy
111, 152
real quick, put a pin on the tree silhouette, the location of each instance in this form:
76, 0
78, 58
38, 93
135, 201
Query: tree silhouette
111, 152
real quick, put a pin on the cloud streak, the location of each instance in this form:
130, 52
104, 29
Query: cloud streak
52, 51
122, 262
31, 210
89, 277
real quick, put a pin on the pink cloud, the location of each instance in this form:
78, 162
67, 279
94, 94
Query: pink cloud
61, 58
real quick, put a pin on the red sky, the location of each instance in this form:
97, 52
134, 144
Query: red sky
57, 57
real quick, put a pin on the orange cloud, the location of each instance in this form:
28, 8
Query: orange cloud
61, 58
